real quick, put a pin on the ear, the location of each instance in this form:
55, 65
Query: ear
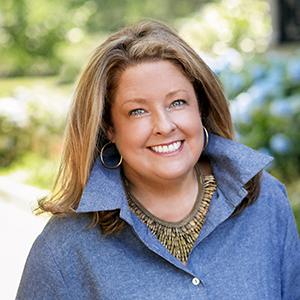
110, 134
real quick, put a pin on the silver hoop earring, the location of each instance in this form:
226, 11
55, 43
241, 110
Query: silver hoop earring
102, 160
206, 138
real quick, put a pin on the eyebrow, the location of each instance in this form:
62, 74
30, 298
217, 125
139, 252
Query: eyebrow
135, 100
176, 92
142, 100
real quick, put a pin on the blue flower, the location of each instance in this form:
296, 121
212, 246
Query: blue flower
280, 144
258, 93
258, 72
241, 108
293, 70
281, 107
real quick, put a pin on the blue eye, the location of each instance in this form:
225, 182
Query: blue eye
136, 112
178, 103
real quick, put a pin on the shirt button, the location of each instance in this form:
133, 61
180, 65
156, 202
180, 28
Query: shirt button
195, 281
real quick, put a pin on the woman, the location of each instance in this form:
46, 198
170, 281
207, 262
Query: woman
165, 203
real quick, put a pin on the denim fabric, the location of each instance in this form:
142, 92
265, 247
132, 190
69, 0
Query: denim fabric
255, 255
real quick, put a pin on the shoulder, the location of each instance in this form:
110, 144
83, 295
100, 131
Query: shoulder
67, 225
273, 193
279, 217
64, 236
61, 231
269, 183
52, 253
272, 201
61, 243
271, 214
272, 210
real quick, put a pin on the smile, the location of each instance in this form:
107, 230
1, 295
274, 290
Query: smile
167, 148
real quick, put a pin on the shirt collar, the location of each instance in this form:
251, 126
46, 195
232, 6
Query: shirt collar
233, 165
104, 190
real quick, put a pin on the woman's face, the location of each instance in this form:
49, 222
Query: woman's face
156, 122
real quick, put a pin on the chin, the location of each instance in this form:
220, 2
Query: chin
174, 173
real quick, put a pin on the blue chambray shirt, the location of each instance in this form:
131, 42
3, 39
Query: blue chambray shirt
255, 255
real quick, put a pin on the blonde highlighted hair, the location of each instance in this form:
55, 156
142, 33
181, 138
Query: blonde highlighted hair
89, 116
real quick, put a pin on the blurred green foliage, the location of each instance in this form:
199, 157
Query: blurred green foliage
266, 109
35, 34
29, 35
240, 24
31, 121
39, 37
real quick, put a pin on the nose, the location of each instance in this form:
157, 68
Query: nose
163, 124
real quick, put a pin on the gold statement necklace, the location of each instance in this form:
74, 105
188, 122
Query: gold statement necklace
178, 237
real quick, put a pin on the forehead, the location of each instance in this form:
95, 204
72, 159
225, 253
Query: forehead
148, 77
155, 65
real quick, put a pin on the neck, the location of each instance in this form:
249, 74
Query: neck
171, 200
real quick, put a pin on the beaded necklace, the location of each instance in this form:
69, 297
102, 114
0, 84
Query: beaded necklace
177, 237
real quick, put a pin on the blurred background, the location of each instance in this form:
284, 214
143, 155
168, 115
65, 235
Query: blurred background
252, 45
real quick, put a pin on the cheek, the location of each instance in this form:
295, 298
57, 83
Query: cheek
192, 123
131, 135
195, 131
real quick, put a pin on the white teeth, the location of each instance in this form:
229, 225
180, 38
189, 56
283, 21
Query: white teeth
167, 149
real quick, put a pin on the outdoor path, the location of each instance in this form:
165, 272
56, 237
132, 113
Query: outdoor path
18, 230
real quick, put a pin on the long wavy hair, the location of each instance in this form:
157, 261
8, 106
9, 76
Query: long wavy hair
90, 113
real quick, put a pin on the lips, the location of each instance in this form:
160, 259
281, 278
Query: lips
167, 148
